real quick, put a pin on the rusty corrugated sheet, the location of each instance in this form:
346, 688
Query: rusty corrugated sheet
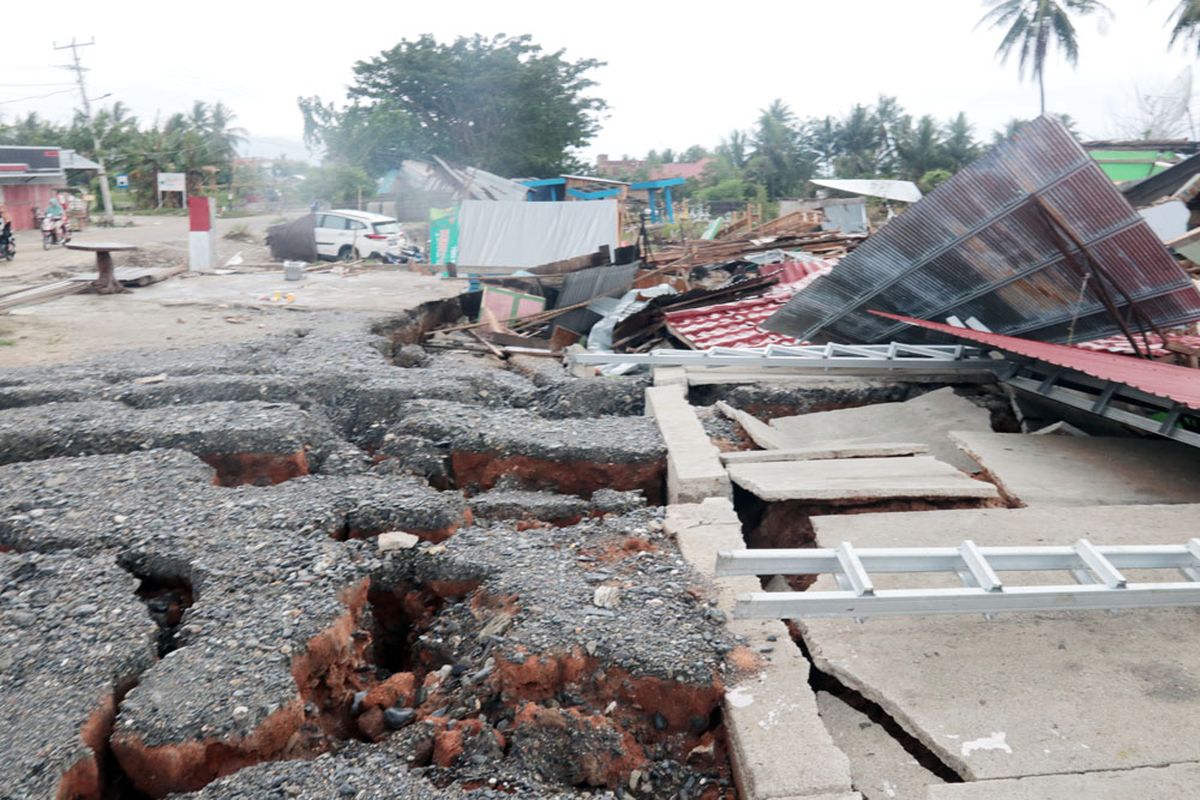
982, 246
1180, 384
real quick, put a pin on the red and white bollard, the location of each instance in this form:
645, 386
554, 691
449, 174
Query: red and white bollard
202, 235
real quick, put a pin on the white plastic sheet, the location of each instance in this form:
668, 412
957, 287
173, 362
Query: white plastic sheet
505, 234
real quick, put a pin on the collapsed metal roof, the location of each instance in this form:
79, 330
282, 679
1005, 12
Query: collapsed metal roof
1178, 384
1031, 240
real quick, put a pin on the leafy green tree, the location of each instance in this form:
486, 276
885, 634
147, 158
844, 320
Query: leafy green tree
735, 149
820, 138
693, 153
920, 149
31, 129
1033, 26
1185, 23
933, 179
857, 144
779, 164
1014, 125
959, 147
500, 103
338, 184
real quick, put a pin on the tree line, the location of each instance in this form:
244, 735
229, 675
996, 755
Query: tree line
202, 143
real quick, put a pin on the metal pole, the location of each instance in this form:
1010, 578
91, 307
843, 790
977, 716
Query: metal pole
102, 172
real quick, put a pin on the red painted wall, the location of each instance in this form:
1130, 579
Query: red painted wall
21, 200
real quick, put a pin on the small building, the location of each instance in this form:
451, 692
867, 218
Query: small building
576, 187
30, 176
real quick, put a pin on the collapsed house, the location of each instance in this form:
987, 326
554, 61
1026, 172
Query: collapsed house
418, 555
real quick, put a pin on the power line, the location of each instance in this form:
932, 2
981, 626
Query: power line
36, 96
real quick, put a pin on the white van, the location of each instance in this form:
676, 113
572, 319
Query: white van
349, 235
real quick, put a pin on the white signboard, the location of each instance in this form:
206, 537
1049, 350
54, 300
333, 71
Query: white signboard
122, 181
172, 182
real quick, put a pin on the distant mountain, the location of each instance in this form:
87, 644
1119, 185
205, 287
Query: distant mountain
275, 146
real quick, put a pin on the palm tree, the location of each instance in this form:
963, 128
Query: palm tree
1035, 25
1187, 22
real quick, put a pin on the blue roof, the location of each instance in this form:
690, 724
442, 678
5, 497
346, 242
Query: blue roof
659, 184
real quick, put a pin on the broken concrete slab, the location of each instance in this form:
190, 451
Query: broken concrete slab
927, 419
694, 470
277, 642
1085, 471
1169, 782
770, 712
250, 442
517, 504
859, 480
1022, 694
824, 453
73, 639
572, 456
880, 767
759, 432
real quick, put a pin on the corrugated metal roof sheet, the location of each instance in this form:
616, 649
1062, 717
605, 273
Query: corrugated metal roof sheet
1167, 182
737, 324
980, 246
1119, 344
1180, 384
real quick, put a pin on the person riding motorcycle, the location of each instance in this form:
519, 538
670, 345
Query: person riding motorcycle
8, 245
55, 212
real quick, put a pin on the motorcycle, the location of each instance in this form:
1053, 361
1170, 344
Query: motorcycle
55, 230
8, 242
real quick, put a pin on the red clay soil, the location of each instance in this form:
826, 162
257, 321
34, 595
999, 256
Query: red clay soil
597, 767
85, 779
326, 674
257, 469
483, 470
685, 708
619, 550
786, 523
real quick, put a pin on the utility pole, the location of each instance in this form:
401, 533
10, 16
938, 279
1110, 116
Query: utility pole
102, 173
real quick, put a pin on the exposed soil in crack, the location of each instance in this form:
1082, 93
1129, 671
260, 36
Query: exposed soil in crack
821, 681
167, 598
256, 469
788, 525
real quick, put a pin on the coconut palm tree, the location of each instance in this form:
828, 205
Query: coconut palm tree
1033, 26
1186, 19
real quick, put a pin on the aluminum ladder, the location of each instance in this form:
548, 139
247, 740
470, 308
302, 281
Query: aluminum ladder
1099, 582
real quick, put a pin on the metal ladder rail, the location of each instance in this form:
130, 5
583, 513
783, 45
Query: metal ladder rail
1100, 584
786, 355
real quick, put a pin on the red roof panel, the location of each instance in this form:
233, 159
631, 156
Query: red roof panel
736, 324
1181, 384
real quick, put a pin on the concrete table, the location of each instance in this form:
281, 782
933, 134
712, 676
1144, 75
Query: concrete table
105, 282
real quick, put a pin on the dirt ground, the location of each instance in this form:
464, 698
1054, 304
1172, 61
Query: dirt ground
187, 309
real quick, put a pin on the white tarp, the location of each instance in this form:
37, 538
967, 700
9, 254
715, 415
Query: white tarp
505, 234
902, 191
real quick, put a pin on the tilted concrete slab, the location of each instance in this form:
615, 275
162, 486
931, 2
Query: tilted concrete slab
1031, 693
1171, 782
694, 469
759, 432
823, 453
860, 479
879, 765
927, 419
1085, 471
770, 712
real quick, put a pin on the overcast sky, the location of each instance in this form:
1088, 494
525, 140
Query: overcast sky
678, 73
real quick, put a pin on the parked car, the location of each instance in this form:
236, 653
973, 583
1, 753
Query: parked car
348, 235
